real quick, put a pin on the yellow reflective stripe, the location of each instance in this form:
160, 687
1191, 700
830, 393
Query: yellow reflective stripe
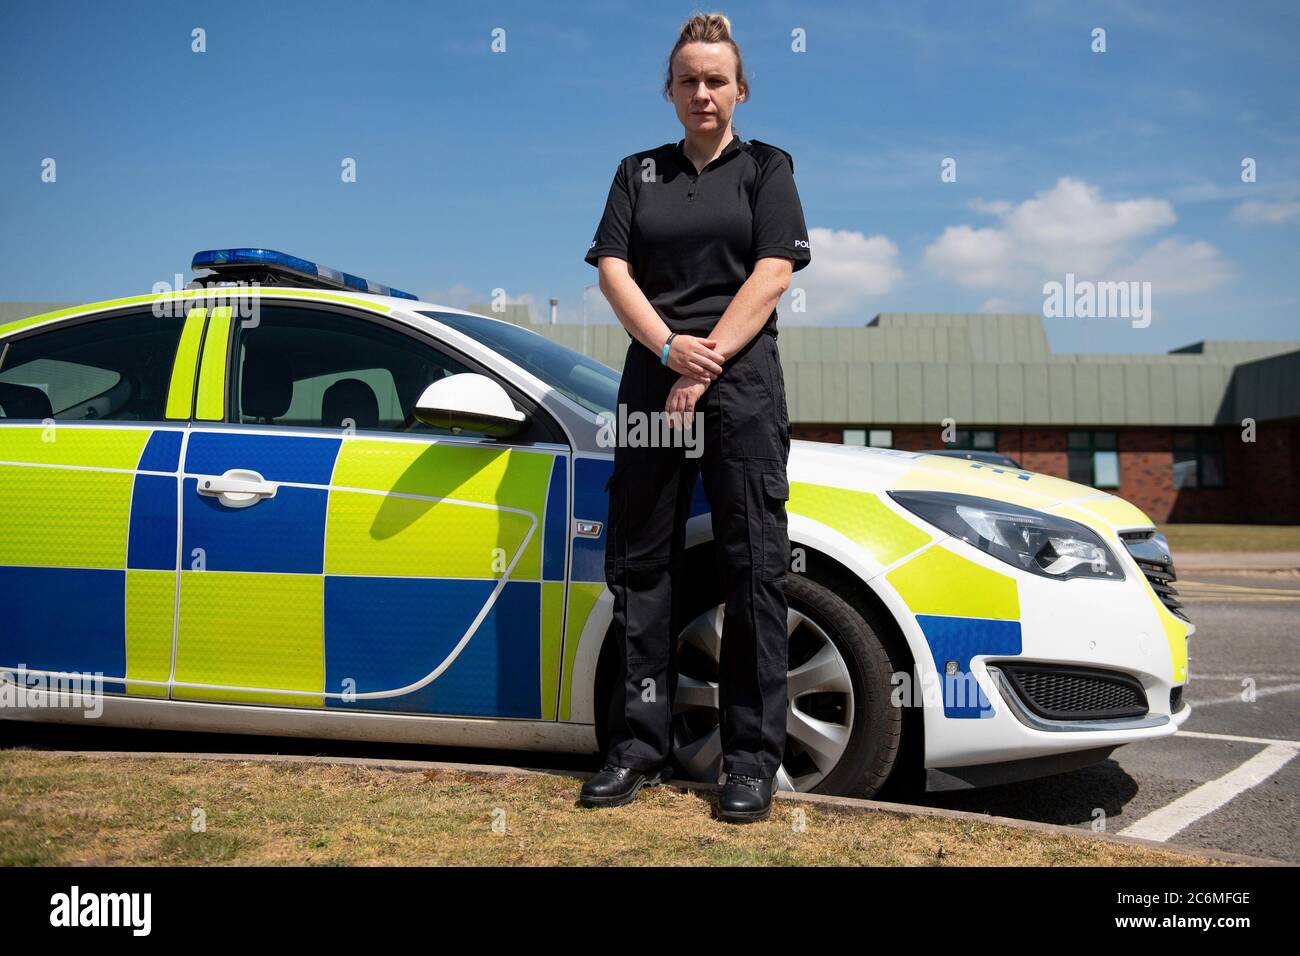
212, 374
183, 294
279, 642
435, 538
73, 443
582, 599
63, 518
1117, 511
150, 604
1175, 634
860, 517
940, 582
181, 391
552, 637
373, 534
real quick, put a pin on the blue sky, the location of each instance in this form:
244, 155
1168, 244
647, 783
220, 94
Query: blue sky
478, 170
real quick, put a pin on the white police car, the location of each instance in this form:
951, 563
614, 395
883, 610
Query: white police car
315, 506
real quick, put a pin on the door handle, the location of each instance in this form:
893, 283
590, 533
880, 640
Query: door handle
237, 488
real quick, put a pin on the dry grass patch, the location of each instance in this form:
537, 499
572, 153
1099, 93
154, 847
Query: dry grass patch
57, 809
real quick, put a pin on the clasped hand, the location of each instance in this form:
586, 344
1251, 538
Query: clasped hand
699, 363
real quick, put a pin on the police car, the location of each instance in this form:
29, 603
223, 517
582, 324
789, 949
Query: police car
290, 501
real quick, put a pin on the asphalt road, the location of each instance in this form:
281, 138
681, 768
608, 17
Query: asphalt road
1205, 787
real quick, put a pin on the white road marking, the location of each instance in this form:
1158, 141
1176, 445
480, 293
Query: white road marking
1199, 676
1245, 740
1175, 817
1259, 692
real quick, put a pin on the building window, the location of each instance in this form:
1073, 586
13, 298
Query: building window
1093, 459
973, 440
1198, 460
875, 437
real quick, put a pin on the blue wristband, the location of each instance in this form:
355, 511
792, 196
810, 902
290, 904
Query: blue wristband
668, 344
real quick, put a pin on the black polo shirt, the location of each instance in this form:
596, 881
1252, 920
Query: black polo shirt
691, 239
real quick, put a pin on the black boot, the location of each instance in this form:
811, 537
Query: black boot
745, 799
615, 786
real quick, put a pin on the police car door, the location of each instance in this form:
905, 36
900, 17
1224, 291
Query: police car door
338, 554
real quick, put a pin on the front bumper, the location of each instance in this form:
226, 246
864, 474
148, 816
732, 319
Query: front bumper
1095, 627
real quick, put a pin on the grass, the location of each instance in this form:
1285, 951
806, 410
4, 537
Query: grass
61, 810
1231, 537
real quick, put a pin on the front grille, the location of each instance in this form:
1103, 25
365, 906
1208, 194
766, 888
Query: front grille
1151, 552
1175, 699
1076, 693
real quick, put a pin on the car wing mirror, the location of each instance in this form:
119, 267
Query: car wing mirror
470, 402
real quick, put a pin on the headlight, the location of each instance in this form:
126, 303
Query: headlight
1030, 540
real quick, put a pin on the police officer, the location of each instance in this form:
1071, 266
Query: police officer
696, 245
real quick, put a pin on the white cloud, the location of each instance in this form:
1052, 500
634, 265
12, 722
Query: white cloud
1071, 217
1252, 212
1072, 228
996, 208
457, 297
977, 258
1177, 267
847, 268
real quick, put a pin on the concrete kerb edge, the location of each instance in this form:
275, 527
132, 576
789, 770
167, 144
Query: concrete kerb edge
837, 804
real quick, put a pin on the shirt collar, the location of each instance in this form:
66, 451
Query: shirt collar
734, 144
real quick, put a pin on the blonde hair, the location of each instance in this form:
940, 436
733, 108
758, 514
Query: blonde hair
706, 28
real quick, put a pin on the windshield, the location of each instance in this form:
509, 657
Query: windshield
589, 383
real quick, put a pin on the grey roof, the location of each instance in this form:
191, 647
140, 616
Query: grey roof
917, 368
1265, 390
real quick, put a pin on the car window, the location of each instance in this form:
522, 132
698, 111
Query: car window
584, 380
302, 367
113, 369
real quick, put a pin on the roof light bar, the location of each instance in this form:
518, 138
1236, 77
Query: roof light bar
287, 269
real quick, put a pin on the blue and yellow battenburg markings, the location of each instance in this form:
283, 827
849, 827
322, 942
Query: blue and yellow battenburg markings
407, 574
79, 566
366, 572
587, 582
964, 609
366, 585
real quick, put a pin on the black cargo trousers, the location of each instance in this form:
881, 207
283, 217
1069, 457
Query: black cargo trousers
743, 450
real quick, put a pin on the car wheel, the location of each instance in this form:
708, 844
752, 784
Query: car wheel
842, 733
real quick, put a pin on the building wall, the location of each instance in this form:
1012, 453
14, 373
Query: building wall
1262, 478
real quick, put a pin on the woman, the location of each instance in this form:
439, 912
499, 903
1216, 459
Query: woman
696, 245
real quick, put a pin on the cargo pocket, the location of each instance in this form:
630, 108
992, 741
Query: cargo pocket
750, 407
776, 535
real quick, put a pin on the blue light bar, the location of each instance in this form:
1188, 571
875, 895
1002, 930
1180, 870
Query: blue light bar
268, 260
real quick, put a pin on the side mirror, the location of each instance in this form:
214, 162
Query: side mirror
473, 402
